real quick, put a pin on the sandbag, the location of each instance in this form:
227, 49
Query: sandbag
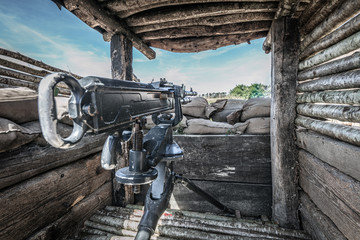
258, 126
18, 104
232, 105
196, 108
204, 126
256, 107
13, 136
150, 124
62, 110
217, 106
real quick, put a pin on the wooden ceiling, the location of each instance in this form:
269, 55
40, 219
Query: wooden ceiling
183, 25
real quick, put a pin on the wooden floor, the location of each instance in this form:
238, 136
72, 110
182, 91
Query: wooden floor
115, 223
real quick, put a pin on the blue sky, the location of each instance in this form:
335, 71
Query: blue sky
38, 29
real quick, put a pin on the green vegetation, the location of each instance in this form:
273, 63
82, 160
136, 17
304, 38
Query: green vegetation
255, 90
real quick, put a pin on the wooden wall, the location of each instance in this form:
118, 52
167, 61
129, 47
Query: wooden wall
47, 193
328, 117
234, 169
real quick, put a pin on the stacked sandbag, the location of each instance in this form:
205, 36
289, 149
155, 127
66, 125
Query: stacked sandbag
196, 108
233, 107
256, 112
205, 126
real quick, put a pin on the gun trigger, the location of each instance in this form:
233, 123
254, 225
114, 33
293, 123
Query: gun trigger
108, 155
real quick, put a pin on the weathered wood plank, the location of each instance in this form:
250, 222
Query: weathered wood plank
33, 204
198, 44
71, 222
343, 156
338, 112
350, 79
346, 188
328, 199
27, 162
317, 223
243, 158
250, 199
337, 97
347, 10
338, 35
337, 131
34, 62
284, 59
207, 21
121, 57
337, 66
310, 10
343, 47
199, 10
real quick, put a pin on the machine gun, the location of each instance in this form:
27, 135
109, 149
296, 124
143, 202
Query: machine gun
99, 105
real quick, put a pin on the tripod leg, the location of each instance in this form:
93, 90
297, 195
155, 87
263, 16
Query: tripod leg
191, 186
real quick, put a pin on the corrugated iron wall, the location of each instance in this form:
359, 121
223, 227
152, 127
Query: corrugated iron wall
328, 121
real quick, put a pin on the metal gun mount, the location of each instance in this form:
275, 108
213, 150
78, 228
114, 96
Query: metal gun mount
101, 105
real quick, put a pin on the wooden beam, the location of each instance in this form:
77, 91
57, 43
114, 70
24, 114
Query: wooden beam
208, 21
337, 66
206, 31
310, 10
53, 194
19, 165
23, 68
337, 97
343, 47
316, 222
196, 11
319, 16
339, 154
34, 62
73, 221
339, 112
204, 43
344, 80
337, 131
90, 12
284, 61
343, 32
124, 9
121, 57
347, 10
335, 194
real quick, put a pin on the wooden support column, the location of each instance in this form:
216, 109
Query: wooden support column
284, 153
121, 69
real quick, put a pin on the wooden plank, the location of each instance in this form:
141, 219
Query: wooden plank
343, 156
250, 199
244, 158
337, 97
346, 188
317, 223
329, 199
33, 204
31, 160
337, 131
34, 62
71, 222
339, 16
199, 10
197, 44
121, 57
92, 14
284, 60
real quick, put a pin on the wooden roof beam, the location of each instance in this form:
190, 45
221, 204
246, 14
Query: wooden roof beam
286, 8
198, 11
199, 44
208, 21
92, 14
206, 31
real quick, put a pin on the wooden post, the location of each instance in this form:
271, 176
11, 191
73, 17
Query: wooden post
284, 153
121, 69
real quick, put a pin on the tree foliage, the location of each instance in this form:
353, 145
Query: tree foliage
255, 90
